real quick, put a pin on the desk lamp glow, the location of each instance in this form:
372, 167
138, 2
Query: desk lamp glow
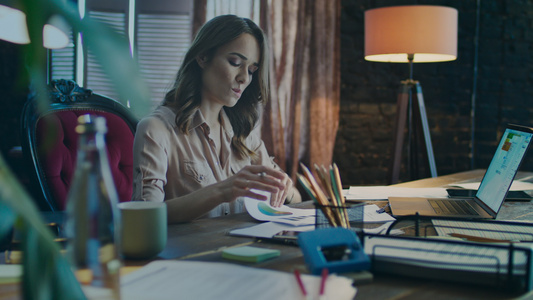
13, 27
411, 34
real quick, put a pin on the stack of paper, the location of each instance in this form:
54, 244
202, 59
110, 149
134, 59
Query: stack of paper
490, 230
492, 264
517, 185
10, 273
384, 192
161, 280
292, 219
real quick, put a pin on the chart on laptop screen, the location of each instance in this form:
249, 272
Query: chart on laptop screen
503, 167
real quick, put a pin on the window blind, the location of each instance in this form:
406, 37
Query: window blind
97, 79
161, 38
162, 41
62, 61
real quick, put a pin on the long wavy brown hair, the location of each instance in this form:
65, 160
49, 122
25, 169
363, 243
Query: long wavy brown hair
185, 96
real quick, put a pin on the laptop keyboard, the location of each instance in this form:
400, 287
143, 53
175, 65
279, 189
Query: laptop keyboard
452, 207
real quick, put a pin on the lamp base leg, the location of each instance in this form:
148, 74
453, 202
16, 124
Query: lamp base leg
411, 110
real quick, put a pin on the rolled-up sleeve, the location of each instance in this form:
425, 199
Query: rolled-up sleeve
256, 144
150, 160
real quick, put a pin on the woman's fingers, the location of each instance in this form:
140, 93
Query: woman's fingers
243, 187
278, 199
267, 185
264, 179
262, 172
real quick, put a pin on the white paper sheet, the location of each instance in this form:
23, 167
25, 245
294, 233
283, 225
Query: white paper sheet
262, 211
164, 279
10, 273
269, 229
437, 255
384, 192
371, 215
517, 185
491, 230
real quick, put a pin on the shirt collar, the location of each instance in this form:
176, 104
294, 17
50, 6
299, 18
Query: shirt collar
225, 123
199, 120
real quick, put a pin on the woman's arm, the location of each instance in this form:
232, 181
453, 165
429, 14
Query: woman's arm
196, 204
151, 167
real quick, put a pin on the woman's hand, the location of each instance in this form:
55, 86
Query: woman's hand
260, 178
278, 199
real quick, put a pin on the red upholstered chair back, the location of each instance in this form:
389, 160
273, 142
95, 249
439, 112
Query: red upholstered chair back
51, 141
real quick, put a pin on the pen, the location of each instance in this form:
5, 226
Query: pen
323, 284
474, 238
382, 210
300, 283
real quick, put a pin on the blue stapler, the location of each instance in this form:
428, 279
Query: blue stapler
337, 249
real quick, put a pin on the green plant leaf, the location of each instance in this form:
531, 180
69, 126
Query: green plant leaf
47, 274
7, 219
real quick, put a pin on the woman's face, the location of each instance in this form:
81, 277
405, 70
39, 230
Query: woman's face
230, 71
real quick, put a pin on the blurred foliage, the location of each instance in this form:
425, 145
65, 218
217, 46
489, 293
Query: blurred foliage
47, 274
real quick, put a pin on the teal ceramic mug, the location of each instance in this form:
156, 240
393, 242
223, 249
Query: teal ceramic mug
143, 229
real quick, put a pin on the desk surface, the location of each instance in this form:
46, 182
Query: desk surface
204, 240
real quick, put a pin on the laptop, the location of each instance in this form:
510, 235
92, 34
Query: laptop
492, 190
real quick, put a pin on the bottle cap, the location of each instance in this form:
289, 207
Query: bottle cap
91, 123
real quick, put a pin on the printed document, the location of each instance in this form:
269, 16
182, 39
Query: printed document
164, 279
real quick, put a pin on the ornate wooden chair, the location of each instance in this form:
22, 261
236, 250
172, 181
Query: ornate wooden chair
49, 141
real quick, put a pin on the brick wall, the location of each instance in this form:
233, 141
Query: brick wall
369, 90
504, 90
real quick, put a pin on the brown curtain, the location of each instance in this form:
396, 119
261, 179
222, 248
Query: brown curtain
198, 16
301, 119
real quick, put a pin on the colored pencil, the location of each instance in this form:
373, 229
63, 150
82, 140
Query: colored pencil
324, 177
342, 200
307, 187
321, 197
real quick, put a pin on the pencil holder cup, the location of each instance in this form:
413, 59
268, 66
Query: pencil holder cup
349, 216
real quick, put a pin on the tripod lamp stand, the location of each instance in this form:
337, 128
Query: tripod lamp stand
411, 34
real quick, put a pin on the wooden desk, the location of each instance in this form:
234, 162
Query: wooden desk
511, 210
204, 239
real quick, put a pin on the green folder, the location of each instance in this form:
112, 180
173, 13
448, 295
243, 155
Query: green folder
249, 254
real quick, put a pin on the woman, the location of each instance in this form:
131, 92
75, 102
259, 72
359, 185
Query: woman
199, 151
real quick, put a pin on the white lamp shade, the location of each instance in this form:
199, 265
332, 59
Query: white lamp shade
13, 25
429, 32
54, 33
13, 29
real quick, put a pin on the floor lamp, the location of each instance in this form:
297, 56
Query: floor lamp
411, 34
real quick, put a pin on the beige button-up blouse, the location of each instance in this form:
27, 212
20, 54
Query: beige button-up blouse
168, 163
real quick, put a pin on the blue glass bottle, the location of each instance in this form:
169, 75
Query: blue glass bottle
93, 219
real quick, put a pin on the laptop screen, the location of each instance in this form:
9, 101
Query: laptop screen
503, 167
